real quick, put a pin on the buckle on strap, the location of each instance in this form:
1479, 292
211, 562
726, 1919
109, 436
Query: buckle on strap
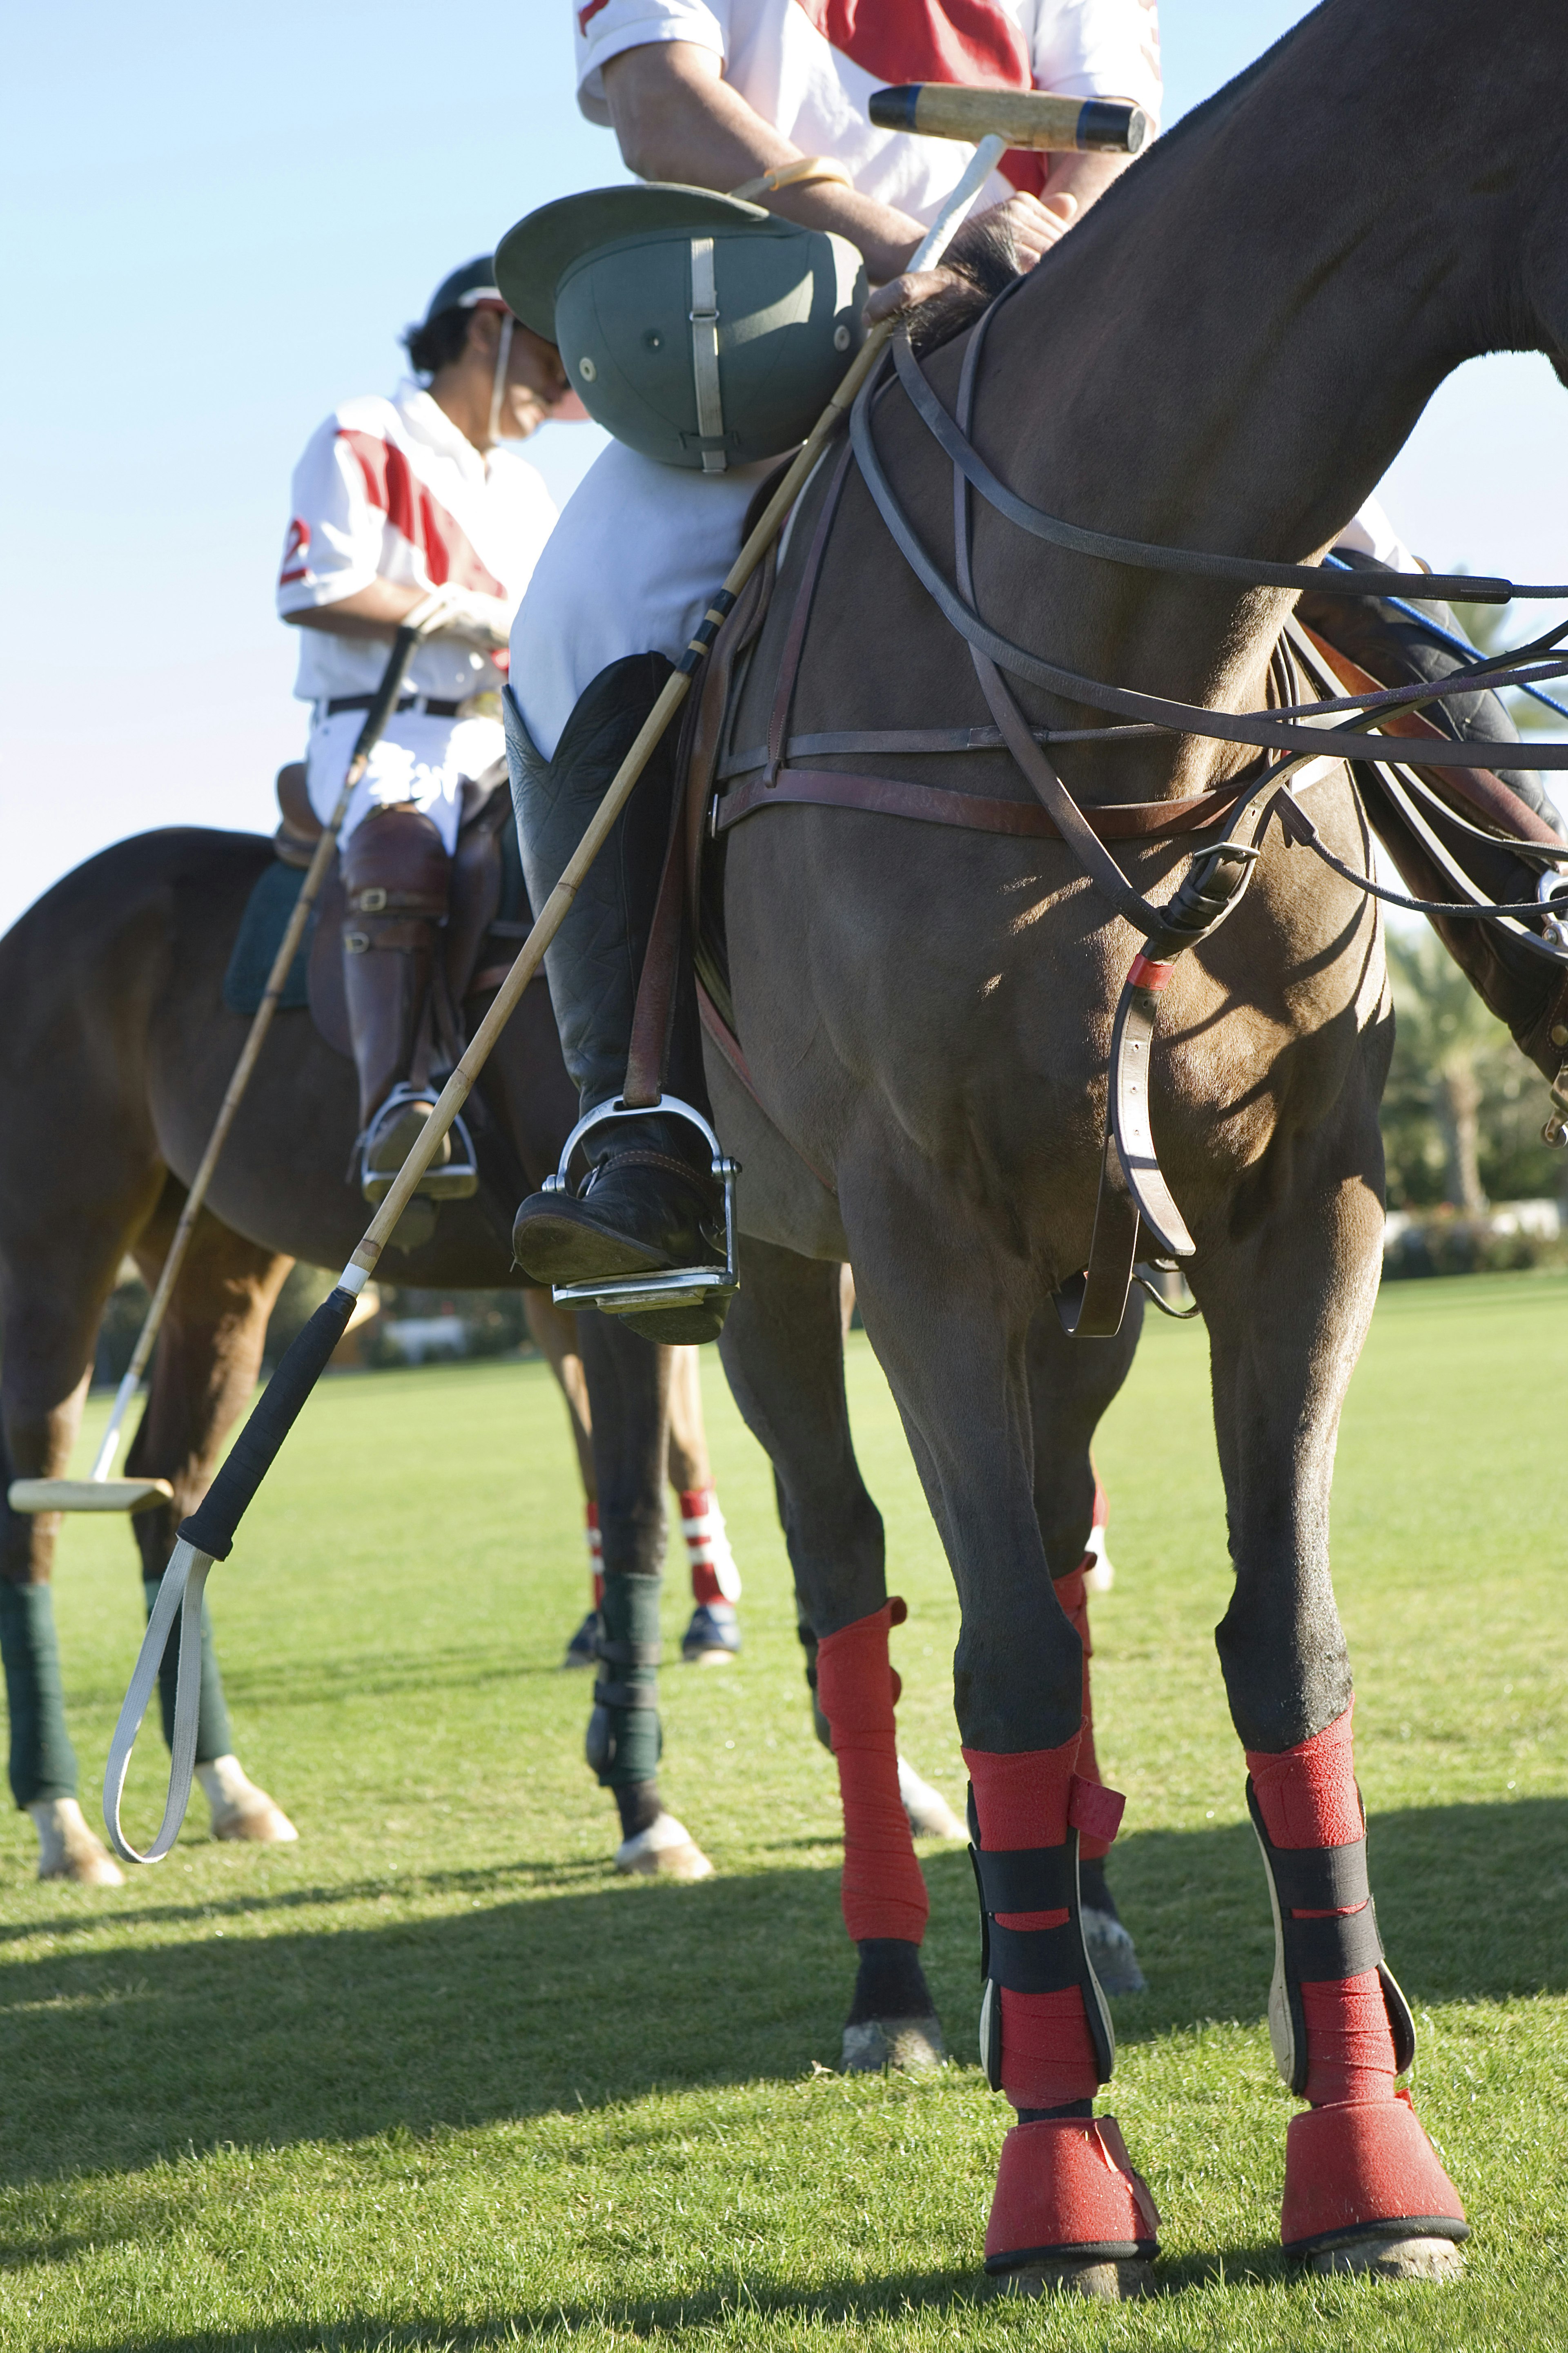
627, 1294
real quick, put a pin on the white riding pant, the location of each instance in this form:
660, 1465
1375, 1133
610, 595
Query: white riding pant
629, 568
419, 758
634, 561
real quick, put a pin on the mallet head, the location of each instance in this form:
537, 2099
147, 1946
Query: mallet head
1025, 118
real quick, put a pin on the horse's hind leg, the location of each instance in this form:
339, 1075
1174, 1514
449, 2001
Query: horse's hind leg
203, 1369
53, 1286
784, 1352
553, 1331
1071, 1383
628, 1386
1287, 1306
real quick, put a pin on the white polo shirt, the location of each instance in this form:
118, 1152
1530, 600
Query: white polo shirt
809, 67
391, 490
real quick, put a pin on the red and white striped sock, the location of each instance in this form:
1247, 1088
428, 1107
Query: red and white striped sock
595, 1556
715, 1576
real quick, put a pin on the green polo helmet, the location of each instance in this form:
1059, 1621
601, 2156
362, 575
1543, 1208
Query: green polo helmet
696, 328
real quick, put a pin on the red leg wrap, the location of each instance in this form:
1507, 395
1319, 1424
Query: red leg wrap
1307, 1797
1067, 2187
1047, 2058
883, 1892
1357, 2157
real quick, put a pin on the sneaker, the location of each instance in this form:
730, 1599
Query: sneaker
580, 1650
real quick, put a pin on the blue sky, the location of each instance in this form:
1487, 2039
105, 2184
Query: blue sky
215, 223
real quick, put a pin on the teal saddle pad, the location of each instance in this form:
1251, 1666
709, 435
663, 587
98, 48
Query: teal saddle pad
260, 935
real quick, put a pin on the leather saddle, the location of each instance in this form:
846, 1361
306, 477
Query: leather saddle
489, 916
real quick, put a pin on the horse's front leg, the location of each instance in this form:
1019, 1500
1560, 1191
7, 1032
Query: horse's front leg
628, 1392
1288, 1304
782, 1348
948, 1304
208, 1359
1071, 1385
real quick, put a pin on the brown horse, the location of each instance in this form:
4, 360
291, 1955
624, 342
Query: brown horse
114, 1059
1226, 356
116, 1050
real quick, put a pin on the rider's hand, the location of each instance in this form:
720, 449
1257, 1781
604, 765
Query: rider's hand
1033, 225
475, 619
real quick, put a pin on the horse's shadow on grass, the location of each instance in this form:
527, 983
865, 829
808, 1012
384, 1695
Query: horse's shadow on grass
508, 2008
848, 2303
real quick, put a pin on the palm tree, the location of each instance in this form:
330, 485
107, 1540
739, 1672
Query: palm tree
1444, 1034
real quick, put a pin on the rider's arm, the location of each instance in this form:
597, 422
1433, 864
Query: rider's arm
677, 118
373, 611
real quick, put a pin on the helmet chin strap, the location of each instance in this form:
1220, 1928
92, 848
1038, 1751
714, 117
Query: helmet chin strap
497, 386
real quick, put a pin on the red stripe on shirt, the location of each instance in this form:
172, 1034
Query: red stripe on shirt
932, 40
926, 41
394, 490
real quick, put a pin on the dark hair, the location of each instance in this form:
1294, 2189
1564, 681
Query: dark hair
440, 341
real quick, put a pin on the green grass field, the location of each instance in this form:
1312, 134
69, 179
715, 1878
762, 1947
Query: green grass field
433, 2077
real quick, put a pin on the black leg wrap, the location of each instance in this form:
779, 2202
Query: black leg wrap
1333, 1880
624, 1734
1033, 1960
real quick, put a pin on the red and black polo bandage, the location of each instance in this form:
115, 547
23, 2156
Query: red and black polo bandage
1340, 2026
1046, 2037
884, 1893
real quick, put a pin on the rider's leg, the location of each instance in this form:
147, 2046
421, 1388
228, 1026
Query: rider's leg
651, 1201
396, 875
630, 567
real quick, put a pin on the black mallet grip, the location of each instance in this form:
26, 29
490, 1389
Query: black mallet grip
212, 1525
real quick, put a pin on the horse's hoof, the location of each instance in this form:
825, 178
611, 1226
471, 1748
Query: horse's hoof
1104, 2283
68, 1850
1414, 2258
239, 1809
666, 1850
930, 1814
713, 1635
582, 1651
1112, 1952
908, 2044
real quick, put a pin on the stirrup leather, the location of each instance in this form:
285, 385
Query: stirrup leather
456, 1181
680, 1286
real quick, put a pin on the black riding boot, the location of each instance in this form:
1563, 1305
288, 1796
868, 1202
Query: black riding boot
651, 1202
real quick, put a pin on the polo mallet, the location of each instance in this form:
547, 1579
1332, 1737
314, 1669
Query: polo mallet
208, 1533
100, 1492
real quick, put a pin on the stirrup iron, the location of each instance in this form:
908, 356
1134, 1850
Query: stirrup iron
457, 1180
680, 1286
